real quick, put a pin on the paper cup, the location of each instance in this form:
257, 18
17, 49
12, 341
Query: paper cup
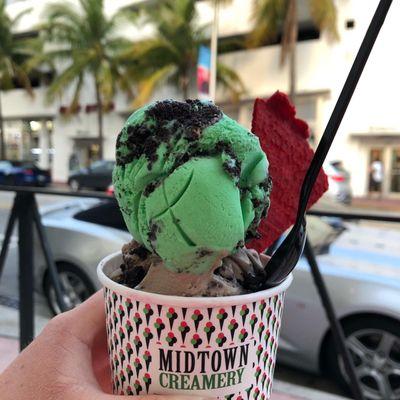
221, 347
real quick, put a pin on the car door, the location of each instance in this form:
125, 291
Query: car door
105, 177
5, 167
99, 176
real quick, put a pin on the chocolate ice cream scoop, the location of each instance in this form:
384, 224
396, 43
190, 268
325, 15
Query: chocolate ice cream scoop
233, 274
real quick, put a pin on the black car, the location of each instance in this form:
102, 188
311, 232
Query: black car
23, 173
97, 176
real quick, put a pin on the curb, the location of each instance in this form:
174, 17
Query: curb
289, 391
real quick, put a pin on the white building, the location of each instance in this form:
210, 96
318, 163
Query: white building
371, 127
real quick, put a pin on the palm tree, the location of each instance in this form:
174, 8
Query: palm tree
83, 41
273, 16
214, 45
171, 54
14, 53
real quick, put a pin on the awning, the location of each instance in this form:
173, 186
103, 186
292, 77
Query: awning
376, 136
86, 140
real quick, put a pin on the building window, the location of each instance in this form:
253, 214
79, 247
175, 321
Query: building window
29, 140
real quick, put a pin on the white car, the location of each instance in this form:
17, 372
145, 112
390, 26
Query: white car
339, 182
360, 265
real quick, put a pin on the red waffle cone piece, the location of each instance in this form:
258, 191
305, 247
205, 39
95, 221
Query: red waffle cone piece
283, 137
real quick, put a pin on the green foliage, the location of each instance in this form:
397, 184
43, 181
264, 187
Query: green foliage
269, 16
82, 40
14, 53
323, 13
230, 81
170, 55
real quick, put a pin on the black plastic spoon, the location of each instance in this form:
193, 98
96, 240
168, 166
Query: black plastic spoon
288, 253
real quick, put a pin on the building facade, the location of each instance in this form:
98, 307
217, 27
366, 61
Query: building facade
369, 131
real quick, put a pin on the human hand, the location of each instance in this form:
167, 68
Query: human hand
67, 361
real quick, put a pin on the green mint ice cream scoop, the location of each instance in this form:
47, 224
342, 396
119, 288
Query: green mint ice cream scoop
192, 183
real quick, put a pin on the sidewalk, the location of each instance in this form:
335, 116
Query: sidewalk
381, 205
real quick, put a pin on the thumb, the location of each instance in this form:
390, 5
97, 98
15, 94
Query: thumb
87, 320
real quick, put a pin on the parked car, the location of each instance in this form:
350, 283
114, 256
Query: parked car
360, 265
25, 173
110, 190
339, 182
97, 176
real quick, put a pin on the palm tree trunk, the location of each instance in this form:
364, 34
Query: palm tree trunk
184, 81
214, 51
99, 118
294, 29
2, 141
185, 88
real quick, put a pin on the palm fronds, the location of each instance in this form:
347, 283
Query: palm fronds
171, 54
324, 15
267, 17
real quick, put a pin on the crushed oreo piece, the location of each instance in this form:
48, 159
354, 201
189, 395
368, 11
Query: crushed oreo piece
131, 277
256, 203
252, 235
140, 251
203, 253
239, 244
255, 281
153, 232
267, 184
151, 187
165, 120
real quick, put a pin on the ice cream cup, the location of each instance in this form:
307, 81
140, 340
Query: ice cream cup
223, 347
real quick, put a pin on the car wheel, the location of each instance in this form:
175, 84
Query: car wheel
74, 185
374, 344
77, 287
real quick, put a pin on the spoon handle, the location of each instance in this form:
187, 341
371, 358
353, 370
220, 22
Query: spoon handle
285, 258
342, 104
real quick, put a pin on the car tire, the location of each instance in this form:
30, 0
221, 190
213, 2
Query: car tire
374, 343
74, 185
78, 287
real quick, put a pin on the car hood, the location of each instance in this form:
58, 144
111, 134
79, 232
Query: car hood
62, 216
79, 171
68, 208
371, 252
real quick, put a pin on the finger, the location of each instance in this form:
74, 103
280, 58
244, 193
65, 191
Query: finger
87, 321
101, 362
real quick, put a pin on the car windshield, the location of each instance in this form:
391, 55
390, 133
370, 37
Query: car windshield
102, 165
97, 164
104, 213
338, 166
28, 164
4, 165
24, 164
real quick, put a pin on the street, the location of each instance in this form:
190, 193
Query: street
9, 289
9, 278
